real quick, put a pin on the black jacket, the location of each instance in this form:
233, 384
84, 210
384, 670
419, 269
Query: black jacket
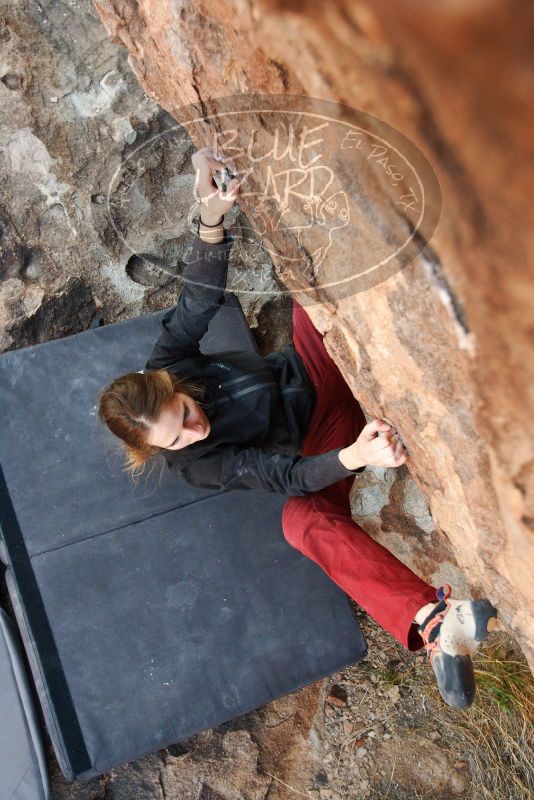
259, 408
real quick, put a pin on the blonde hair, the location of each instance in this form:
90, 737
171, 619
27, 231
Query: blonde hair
132, 401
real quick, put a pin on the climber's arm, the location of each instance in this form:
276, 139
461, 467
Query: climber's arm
183, 326
232, 467
206, 269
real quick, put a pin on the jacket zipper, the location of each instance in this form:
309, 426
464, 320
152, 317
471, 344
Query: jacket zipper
222, 400
235, 380
295, 389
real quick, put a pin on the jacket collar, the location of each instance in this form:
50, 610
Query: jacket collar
180, 458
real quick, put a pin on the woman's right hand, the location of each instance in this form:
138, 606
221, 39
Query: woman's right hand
214, 203
378, 445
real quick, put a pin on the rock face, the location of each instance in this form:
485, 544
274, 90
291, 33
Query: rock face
72, 114
441, 346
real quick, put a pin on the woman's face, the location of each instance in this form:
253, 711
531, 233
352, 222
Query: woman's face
180, 423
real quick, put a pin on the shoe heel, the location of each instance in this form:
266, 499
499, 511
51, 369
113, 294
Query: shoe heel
485, 616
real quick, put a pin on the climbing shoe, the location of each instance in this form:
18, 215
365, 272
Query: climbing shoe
451, 631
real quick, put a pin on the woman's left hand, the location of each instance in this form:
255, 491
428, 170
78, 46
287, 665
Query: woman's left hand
214, 203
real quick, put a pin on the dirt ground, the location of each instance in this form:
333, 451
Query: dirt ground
389, 735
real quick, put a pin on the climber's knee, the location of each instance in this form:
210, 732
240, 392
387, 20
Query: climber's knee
295, 518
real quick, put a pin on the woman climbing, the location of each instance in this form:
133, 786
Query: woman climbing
226, 421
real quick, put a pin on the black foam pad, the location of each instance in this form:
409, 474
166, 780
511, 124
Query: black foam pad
148, 612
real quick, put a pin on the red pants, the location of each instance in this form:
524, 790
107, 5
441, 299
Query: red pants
320, 524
